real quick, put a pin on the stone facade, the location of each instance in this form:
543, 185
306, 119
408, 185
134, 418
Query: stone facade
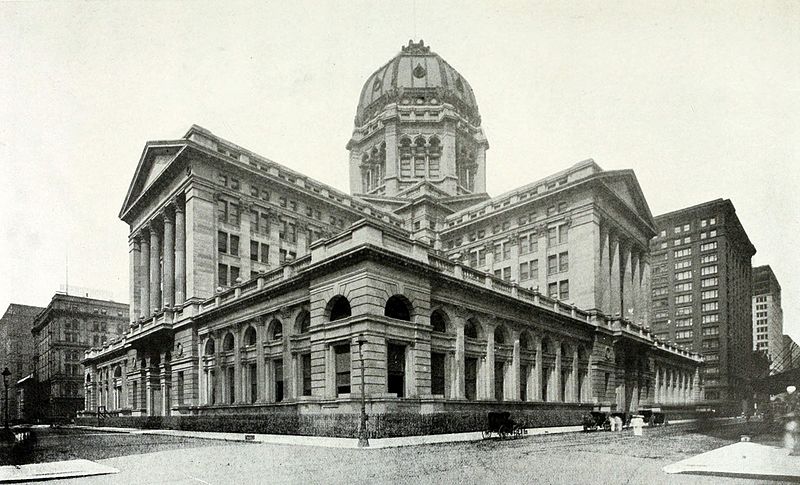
702, 294
259, 295
61, 334
16, 349
768, 318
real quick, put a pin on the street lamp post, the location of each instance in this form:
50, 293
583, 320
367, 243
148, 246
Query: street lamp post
363, 440
6, 375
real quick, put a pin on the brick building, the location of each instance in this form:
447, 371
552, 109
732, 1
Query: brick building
702, 294
61, 333
16, 348
263, 299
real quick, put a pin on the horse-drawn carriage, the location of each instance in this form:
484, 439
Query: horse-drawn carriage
501, 424
596, 420
654, 417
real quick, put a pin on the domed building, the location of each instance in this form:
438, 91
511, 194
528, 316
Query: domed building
265, 301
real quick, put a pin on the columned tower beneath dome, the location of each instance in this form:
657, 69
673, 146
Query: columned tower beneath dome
418, 130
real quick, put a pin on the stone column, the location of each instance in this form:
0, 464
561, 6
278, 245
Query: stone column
458, 383
602, 280
133, 276
556, 391
145, 310
655, 399
644, 289
488, 374
169, 261
238, 395
515, 369
614, 277
575, 376
627, 281
261, 333
180, 255
155, 270
537, 372
635, 289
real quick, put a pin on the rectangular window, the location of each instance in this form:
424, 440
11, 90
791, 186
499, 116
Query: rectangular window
523, 271
507, 273
222, 242
684, 334
552, 237
681, 299
552, 290
279, 380
709, 258
252, 377
683, 287
683, 275
686, 227
253, 250
682, 253
506, 251
498, 251
306, 364
234, 275
684, 322
709, 331
180, 387
708, 246
264, 253
563, 262
222, 271
563, 233
234, 247
712, 318
342, 358
660, 291
552, 264
395, 369
684, 310
563, 290
706, 282
710, 306
534, 269
707, 270
683, 264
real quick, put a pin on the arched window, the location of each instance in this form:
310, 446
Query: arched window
209, 350
338, 308
500, 335
581, 353
471, 329
525, 341
398, 307
250, 336
439, 321
547, 346
303, 322
118, 371
227, 343
88, 378
275, 330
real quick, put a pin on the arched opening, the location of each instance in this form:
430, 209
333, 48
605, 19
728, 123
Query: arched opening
439, 321
275, 330
338, 308
525, 341
88, 378
471, 328
209, 350
227, 342
117, 371
547, 345
398, 307
250, 336
303, 322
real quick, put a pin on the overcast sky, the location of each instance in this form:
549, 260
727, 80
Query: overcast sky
701, 101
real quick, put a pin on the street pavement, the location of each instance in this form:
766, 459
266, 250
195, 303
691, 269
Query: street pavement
575, 458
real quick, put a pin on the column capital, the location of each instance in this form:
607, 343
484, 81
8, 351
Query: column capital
153, 224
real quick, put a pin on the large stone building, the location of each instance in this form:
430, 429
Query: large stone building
264, 300
16, 348
702, 293
768, 316
61, 334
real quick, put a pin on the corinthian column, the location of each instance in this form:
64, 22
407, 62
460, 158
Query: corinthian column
145, 308
155, 269
133, 277
169, 261
180, 254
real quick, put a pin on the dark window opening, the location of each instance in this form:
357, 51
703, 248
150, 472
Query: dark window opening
306, 364
470, 378
278, 380
396, 369
545, 381
397, 307
342, 358
499, 377
437, 373
438, 322
340, 308
523, 382
253, 377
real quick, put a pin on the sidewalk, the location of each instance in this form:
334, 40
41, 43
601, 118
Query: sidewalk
328, 442
52, 470
743, 460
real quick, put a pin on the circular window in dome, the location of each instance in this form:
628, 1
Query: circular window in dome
376, 85
434, 101
419, 71
406, 101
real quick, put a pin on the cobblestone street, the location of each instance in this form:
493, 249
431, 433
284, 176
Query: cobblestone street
599, 457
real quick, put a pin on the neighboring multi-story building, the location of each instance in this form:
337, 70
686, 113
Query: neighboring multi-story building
790, 356
16, 348
702, 292
422, 285
768, 316
61, 333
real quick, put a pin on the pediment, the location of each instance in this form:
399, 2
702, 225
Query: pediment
626, 188
154, 161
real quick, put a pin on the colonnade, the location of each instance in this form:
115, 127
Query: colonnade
676, 386
623, 276
158, 263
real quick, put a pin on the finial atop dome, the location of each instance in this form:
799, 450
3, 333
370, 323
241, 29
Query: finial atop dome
416, 47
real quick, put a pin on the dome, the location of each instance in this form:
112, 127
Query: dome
416, 76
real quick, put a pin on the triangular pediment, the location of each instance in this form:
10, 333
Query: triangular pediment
155, 159
624, 185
